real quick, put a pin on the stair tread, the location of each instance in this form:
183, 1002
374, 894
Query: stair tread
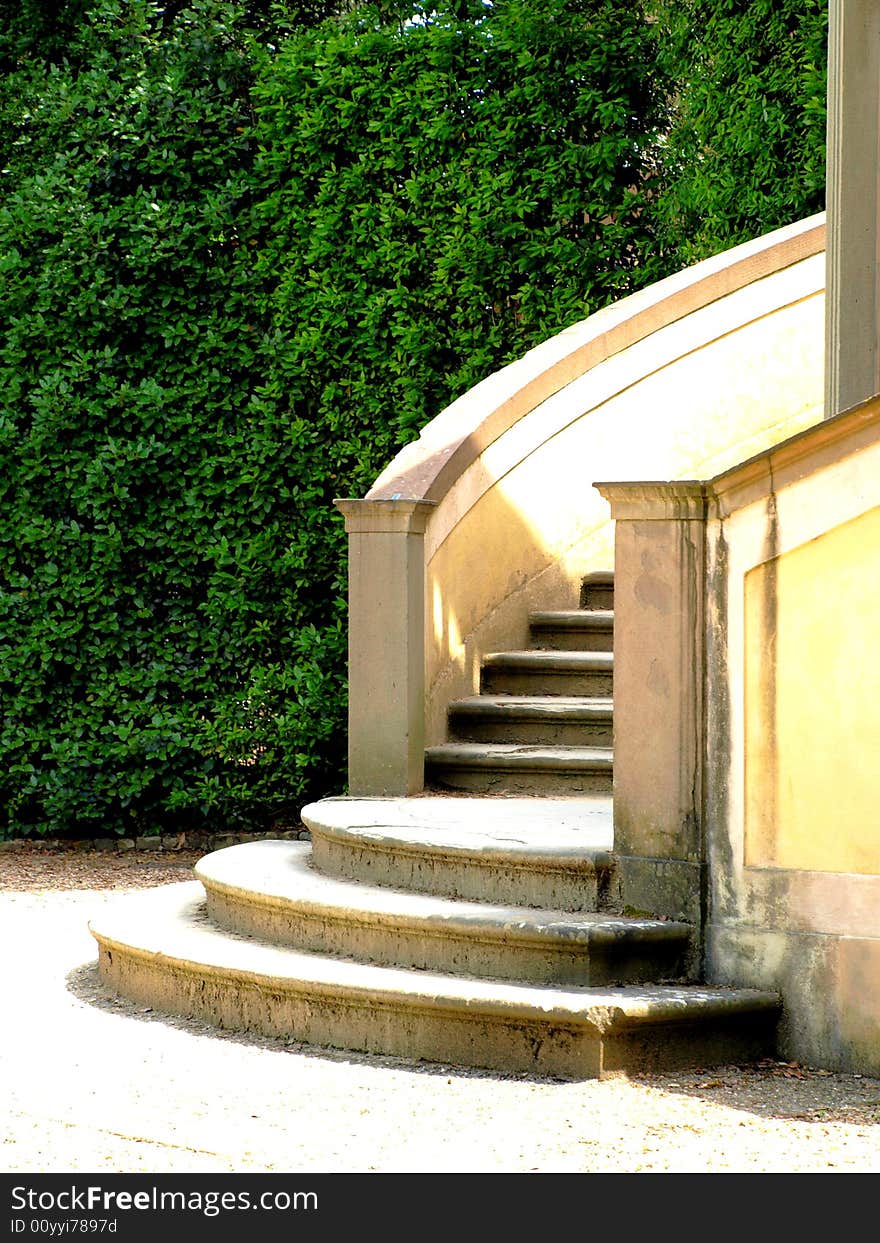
519, 755
571, 832
548, 657
169, 927
573, 619
568, 707
278, 873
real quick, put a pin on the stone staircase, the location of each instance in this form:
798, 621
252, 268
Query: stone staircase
458, 928
542, 723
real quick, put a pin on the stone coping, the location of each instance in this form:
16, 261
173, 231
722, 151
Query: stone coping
426, 468
789, 461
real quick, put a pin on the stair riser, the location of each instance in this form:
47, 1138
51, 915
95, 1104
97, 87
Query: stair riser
504, 781
458, 1036
748, 1038
538, 732
585, 888
506, 958
595, 596
455, 1037
572, 640
498, 680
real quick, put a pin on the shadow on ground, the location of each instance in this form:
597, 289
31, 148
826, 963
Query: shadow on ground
767, 1089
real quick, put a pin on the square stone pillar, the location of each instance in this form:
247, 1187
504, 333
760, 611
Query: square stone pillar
852, 298
386, 645
659, 545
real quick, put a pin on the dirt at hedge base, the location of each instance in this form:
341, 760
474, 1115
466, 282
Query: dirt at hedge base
36, 868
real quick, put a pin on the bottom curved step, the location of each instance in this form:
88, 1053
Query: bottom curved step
159, 948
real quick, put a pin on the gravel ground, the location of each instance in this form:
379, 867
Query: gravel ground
91, 1083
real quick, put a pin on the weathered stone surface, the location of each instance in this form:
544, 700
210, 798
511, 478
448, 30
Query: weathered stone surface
159, 950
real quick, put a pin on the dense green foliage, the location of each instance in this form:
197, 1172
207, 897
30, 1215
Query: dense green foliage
244, 255
441, 197
247, 249
149, 622
746, 148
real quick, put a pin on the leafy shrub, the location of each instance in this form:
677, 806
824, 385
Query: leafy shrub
746, 149
243, 257
153, 634
445, 194
247, 249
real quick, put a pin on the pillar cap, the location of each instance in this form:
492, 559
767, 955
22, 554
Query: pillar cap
659, 501
402, 515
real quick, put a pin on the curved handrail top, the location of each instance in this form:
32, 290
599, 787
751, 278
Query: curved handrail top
426, 468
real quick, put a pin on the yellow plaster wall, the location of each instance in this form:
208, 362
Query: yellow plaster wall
812, 704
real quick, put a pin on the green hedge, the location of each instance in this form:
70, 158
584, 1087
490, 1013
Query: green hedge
246, 251
133, 491
746, 148
243, 257
442, 197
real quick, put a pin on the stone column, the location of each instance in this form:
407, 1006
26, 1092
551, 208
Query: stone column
659, 544
386, 645
852, 350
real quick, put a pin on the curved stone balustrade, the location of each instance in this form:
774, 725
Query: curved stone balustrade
490, 514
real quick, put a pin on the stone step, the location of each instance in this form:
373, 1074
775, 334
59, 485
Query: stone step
554, 854
269, 890
597, 590
159, 948
573, 630
548, 673
556, 720
516, 768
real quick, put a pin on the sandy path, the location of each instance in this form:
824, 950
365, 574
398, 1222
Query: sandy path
90, 1083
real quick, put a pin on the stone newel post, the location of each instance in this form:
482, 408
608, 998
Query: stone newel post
852, 303
658, 694
386, 645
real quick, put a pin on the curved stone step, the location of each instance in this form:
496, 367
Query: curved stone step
535, 672
158, 948
555, 854
557, 720
574, 630
515, 768
267, 889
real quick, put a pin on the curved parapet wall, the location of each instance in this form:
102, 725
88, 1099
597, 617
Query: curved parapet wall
492, 512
